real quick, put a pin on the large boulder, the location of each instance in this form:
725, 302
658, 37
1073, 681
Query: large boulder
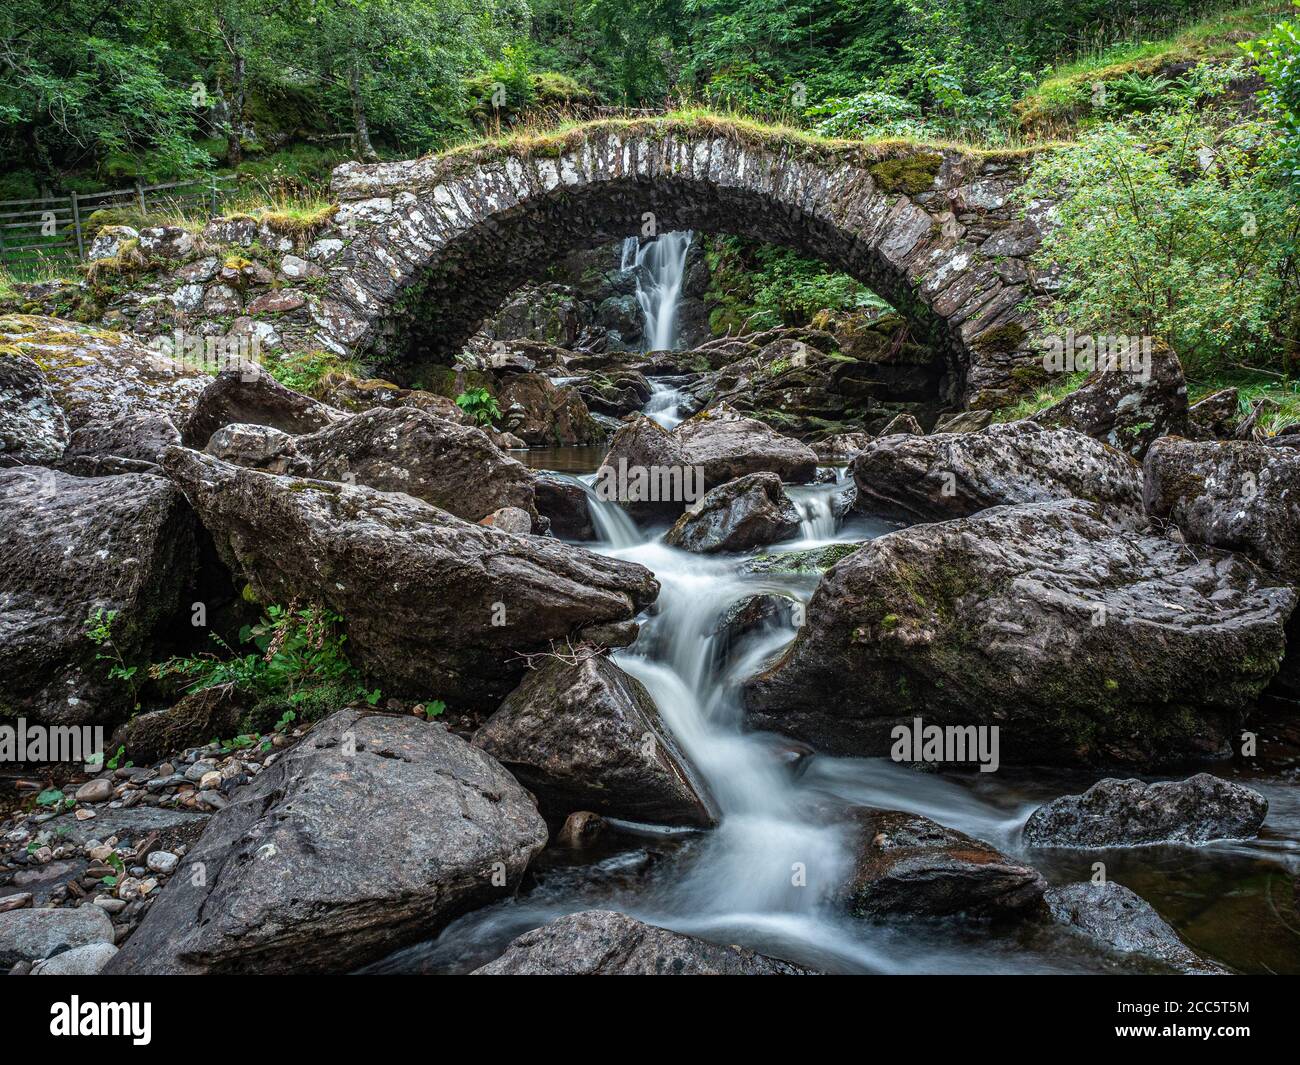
606, 943
643, 444
563, 502
1128, 813
34, 934
587, 736
33, 430
398, 449
728, 445
434, 604
908, 865
248, 394
371, 833
544, 414
1081, 642
749, 512
99, 378
1115, 918
122, 549
1215, 417
1230, 494
953, 475
132, 443
1128, 409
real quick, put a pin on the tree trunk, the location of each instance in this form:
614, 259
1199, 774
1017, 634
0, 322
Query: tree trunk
365, 149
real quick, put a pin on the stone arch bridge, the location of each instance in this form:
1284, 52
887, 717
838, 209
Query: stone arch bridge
435, 245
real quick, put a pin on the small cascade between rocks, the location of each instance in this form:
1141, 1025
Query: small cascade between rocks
665, 403
660, 270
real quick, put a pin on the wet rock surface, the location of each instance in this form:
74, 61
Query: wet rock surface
908, 865
749, 512
997, 619
33, 430
1128, 813
1114, 917
606, 943
288, 889
588, 736
249, 395
728, 445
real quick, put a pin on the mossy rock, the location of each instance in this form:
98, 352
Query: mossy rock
910, 174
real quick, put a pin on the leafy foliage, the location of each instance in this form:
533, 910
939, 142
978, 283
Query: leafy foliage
479, 404
1177, 225
297, 655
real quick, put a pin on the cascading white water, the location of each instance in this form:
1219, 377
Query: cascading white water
816, 506
665, 403
660, 266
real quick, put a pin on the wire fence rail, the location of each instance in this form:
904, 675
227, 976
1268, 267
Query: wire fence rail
52, 230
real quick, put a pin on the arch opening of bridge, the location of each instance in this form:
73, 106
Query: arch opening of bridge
438, 244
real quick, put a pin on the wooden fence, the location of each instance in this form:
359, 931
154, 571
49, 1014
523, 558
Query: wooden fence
50, 230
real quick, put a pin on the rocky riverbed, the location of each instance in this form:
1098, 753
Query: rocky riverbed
600, 730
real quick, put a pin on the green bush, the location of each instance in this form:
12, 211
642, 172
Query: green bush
480, 405
297, 660
1177, 225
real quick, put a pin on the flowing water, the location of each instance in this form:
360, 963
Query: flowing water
660, 267
767, 875
666, 402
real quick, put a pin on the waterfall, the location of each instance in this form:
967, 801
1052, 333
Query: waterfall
664, 404
660, 267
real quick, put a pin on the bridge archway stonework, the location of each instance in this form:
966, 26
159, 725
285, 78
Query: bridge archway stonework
434, 245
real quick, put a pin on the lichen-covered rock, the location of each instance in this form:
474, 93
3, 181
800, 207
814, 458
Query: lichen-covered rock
74, 548
433, 603
954, 475
728, 445
133, 443
901, 425
1080, 641
908, 865
963, 421
542, 413
1112, 916
606, 943
395, 449
109, 241
98, 376
248, 394
588, 737
1127, 410
33, 430
1230, 494
1128, 813
751, 511
259, 447
369, 834
1215, 416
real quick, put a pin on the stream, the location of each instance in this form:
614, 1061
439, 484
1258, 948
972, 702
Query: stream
736, 883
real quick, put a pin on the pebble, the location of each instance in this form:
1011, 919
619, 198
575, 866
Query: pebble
209, 781
163, 862
98, 790
83, 814
169, 781
199, 770
16, 901
109, 904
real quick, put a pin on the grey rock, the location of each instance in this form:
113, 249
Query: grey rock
953, 475
1231, 494
1128, 813
901, 425
31, 935
908, 865
420, 588
1083, 643
510, 520
605, 943
33, 429
564, 503
367, 835
89, 960
1111, 915
964, 421
248, 394
1215, 416
73, 546
740, 515
589, 737
729, 445
97, 790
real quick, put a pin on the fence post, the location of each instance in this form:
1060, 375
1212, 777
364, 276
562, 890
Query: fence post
76, 226
139, 191
213, 212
